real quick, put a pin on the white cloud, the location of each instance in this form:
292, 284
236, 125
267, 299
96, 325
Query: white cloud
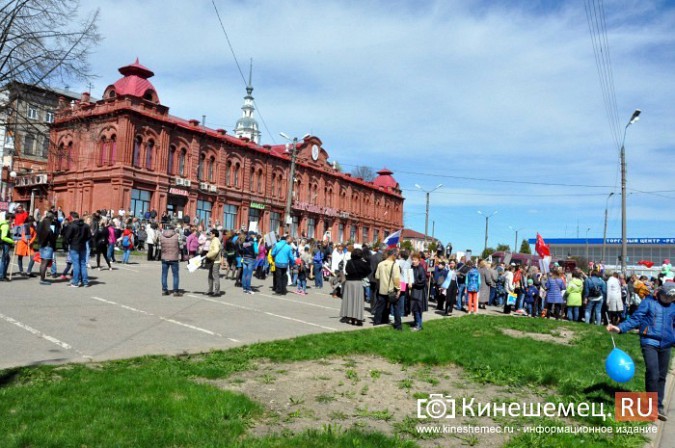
477, 89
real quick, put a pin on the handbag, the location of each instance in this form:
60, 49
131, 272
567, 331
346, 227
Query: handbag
511, 299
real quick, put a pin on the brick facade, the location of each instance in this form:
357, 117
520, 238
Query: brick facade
126, 151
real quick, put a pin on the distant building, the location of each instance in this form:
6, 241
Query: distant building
26, 113
649, 249
417, 239
127, 152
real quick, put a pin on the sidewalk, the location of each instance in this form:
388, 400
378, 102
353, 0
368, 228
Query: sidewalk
665, 437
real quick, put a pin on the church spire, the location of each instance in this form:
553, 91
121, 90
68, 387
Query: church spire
247, 126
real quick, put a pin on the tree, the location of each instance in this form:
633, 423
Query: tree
487, 252
431, 247
407, 245
525, 248
364, 172
42, 41
503, 248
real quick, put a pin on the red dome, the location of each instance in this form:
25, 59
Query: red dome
385, 179
135, 83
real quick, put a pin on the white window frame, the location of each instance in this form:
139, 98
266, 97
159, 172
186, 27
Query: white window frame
49, 117
32, 113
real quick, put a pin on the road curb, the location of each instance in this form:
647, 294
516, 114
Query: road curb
658, 441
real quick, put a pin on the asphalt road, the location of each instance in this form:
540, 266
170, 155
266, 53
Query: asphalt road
123, 314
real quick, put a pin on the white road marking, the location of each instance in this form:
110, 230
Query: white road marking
117, 266
298, 301
165, 319
40, 334
246, 308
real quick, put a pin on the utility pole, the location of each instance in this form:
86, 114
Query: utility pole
426, 219
624, 239
604, 233
291, 178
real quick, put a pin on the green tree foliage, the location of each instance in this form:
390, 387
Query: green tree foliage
503, 248
487, 252
525, 248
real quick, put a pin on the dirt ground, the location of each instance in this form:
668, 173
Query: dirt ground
560, 337
368, 393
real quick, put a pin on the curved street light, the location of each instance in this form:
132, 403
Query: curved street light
487, 219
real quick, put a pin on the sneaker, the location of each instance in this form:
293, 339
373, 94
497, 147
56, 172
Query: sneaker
70, 285
98, 268
177, 294
87, 285
663, 417
415, 329
165, 293
250, 292
45, 283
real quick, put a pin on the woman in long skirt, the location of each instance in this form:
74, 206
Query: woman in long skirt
357, 269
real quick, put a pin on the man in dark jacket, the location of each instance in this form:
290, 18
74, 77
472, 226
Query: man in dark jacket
375, 259
170, 243
77, 235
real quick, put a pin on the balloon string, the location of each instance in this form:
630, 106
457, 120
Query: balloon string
608, 323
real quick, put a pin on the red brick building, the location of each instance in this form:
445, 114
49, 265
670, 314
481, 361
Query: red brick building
127, 152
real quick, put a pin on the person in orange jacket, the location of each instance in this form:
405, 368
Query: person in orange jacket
24, 247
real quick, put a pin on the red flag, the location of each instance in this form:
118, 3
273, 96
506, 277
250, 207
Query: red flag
541, 248
646, 263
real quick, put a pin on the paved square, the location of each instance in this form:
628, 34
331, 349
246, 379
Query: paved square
123, 314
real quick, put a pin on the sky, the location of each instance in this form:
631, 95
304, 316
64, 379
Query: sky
496, 100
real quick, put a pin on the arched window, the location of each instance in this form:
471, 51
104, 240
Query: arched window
149, 150
102, 151
136, 155
260, 181
274, 184
200, 166
236, 174
228, 173
69, 156
181, 162
170, 161
112, 154
60, 154
252, 180
212, 163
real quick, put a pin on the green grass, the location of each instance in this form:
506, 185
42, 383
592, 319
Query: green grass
152, 401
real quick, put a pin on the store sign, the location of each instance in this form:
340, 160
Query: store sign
178, 191
319, 210
258, 205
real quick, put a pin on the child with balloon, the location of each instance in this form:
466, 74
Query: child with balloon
655, 318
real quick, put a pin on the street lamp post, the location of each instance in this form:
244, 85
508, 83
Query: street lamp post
426, 219
515, 245
624, 240
487, 219
604, 232
292, 147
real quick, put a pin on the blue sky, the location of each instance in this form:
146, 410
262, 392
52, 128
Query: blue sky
450, 90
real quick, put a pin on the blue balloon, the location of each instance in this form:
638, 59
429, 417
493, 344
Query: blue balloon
620, 366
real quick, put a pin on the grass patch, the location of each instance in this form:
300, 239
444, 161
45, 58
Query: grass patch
123, 403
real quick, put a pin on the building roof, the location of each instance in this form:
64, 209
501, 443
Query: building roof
385, 179
410, 234
135, 82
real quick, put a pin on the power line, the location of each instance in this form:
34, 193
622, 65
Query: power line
236, 61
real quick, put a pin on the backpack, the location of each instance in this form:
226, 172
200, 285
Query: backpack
126, 242
594, 289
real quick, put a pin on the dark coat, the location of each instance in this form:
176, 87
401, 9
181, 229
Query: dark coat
357, 269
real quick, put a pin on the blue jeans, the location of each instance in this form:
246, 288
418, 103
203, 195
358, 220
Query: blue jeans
594, 307
531, 309
4, 259
493, 296
460, 296
125, 258
418, 319
573, 313
79, 259
366, 293
248, 265
88, 253
318, 275
174, 274
111, 252
302, 285
397, 310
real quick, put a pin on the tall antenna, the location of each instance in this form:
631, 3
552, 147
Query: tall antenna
250, 73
